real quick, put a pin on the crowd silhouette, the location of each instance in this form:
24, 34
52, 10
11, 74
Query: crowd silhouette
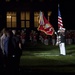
10, 52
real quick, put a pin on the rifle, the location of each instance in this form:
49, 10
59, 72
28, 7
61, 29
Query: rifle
58, 40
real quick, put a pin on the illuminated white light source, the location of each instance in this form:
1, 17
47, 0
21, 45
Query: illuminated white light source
8, 16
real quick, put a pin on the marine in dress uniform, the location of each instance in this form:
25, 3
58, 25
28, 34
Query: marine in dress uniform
61, 41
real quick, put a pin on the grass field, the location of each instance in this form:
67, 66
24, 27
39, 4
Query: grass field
47, 58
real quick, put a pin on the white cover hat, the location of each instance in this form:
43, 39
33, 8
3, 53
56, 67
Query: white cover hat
61, 29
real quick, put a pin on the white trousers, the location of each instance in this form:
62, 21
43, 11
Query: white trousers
62, 48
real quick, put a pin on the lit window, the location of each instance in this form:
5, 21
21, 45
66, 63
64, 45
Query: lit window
49, 14
25, 19
11, 19
27, 24
27, 16
36, 15
22, 16
22, 24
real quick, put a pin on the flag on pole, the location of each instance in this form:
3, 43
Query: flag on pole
44, 25
60, 22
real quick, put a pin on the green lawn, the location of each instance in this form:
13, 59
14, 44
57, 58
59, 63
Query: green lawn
48, 58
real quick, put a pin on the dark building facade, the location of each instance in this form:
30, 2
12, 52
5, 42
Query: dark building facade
23, 14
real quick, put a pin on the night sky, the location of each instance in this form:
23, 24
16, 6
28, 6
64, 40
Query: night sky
67, 8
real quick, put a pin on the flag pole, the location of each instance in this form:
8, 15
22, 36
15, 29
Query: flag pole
58, 5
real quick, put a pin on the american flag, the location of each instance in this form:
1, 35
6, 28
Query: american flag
60, 23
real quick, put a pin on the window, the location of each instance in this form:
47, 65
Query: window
25, 19
49, 14
36, 15
11, 19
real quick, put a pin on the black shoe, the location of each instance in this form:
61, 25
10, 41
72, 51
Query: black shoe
62, 55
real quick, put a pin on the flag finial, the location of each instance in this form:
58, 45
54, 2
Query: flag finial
58, 5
